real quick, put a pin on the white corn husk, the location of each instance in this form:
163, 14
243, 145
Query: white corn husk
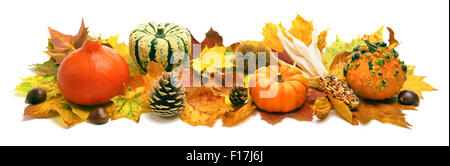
307, 58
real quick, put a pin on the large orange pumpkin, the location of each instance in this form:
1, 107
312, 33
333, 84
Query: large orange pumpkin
93, 74
278, 88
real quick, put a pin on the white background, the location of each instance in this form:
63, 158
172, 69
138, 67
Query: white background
422, 27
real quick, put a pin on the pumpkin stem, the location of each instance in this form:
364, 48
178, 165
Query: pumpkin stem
92, 44
160, 33
279, 77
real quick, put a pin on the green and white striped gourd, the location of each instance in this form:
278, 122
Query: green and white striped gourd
163, 43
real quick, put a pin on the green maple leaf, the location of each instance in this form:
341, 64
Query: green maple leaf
48, 82
47, 68
130, 105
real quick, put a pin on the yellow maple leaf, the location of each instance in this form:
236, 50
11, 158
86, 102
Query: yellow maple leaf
302, 29
271, 39
384, 111
53, 107
213, 59
375, 37
203, 107
416, 83
123, 50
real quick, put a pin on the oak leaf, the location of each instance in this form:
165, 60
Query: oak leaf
60, 45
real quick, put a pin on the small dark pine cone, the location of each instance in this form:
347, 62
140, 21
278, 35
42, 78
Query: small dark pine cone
167, 98
238, 96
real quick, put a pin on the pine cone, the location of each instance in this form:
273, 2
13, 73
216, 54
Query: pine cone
167, 98
238, 96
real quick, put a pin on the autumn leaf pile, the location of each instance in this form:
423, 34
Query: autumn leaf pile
206, 104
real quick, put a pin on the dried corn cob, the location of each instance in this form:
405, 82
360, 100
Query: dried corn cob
308, 58
333, 86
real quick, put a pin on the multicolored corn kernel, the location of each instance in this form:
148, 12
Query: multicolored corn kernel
383, 44
380, 73
363, 51
356, 48
333, 86
396, 73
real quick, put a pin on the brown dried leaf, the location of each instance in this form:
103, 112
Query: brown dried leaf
60, 45
392, 41
212, 39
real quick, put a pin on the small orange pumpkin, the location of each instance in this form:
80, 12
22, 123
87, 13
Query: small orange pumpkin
278, 88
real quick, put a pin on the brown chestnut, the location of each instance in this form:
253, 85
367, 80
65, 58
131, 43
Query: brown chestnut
36, 95
408, 97
98, 116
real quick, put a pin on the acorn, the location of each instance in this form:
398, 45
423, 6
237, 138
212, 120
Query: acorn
36, 95
408, 97
98, 116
